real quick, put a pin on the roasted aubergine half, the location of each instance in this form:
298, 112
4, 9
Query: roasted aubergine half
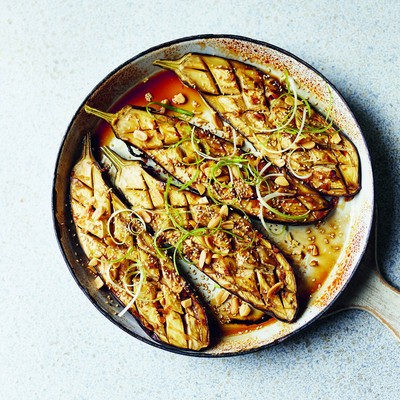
280, 124
218, 241
218, 168
122, 253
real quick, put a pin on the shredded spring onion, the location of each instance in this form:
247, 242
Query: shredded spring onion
303, 121
289, 165
136, 293
130, 226
291, 86
265, 199
169, 107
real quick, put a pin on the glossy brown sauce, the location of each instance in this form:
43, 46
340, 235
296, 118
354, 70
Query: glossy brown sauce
162, 85
328, 236
240, 329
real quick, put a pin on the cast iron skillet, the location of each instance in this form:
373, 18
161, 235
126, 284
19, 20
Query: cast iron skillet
358, 212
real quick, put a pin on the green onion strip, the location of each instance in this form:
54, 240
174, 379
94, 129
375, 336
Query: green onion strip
169, 107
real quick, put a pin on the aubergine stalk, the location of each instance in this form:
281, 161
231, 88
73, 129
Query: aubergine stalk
216, 167
121, 252
218, 241
280, 124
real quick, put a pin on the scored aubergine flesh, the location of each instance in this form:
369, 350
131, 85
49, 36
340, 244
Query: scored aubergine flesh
270, 115
215, 167
127, 263
218, 241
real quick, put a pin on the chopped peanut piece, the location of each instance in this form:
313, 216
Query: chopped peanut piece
224, 211
235, 306
274, 289
308, 145
227, 225
214, 222
98, 282
202, 258
221, 297
186, 303
140, 135
200, 188
179, 99
244, 310
336, 139
145, 216
313, 249
281, 181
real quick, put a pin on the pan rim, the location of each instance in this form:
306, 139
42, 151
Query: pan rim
57, 227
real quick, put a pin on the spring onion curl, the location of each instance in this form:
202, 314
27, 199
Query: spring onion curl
142, 277
130, 228
289, 165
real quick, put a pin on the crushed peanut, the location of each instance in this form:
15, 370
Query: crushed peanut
235, 306
224, 211
140, 135
280, 162
214, 222
308, 145
186, 303
336, 139
201, 188
179, 99
98, 282
221, 297
145, 216
202, 258
93, 262
281, 181
274, 289
244, 310
227, 225
313, 250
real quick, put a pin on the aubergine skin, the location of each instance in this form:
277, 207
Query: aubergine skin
169, 142
256, 105
166, 306
236, 256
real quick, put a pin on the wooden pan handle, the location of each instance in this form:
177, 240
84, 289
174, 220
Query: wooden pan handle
370, 292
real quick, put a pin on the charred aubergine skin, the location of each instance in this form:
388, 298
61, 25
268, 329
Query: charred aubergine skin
229, 249
175, 145
166, 306
268, 114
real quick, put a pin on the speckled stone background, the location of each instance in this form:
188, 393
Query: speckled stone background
53, 342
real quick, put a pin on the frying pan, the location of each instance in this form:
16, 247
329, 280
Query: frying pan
358, 211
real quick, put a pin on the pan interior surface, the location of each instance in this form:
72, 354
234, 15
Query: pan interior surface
352, 218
